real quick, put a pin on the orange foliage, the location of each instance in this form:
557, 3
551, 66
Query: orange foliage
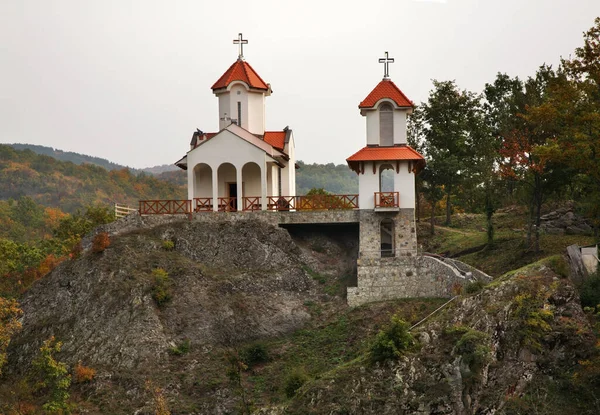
84, 373
101, 242
48, 264
52, 217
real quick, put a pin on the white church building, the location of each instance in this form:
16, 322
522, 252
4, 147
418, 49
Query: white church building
242, 166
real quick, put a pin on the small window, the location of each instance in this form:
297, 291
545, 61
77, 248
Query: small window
386, 125
387, 238
239, 119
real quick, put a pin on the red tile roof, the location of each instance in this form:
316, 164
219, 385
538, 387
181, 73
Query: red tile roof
240, 71
386, 89
385, 154
275, 138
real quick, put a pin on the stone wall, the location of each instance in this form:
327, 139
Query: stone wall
381, 279
370, 232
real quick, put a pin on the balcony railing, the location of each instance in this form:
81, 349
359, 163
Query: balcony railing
227, 204
203, 204
250, 203
165, 207
387, 199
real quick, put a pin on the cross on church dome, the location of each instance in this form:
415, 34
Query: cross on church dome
386, 65
241, 42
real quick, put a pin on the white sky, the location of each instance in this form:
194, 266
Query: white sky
130, 81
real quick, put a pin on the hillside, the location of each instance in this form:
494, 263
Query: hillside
69, 186
337, 179
224, 317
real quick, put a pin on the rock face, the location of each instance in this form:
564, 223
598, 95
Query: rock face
232, 283
564, 221
474, 357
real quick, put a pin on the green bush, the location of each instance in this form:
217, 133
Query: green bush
474, 349
161, 288
392, 341
168, 245
474, 287
590, 292
254, 354
181, 349
294, 381
559, 265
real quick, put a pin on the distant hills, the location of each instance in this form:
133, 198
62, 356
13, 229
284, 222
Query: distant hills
337, 179
69, 186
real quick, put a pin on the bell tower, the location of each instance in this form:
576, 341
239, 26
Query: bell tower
242, 92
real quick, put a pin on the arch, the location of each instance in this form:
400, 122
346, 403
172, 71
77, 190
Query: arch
228, 185
386, 178
252, 186
387, 233
202, 178
386, 124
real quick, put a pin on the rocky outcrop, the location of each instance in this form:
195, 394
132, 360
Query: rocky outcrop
229, 282
564, 221
524, 327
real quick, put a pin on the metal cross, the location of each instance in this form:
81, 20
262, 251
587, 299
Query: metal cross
241, 42
386, 65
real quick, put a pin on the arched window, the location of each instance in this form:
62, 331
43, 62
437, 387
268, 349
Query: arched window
387, 238
386, 125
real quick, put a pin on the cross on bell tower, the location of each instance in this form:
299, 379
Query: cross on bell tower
386, 65
240, 41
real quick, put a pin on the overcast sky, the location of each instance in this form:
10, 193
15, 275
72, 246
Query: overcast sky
130, 81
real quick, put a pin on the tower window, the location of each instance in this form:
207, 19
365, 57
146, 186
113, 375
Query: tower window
386, 125
239, 118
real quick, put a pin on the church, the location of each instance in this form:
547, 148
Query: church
245, 169
242, 166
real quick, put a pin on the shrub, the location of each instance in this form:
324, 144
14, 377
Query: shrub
294, 381
590, 292
474, 287
473, 348
161, 288
83, 373
168, 245
53, 377
254, 354
100, 242
559, 265
181, 349
392, 341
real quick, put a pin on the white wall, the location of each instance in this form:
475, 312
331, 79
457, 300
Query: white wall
372, 127
368, 184
251, 180
255, 113
217, 151
223, 108
203, 181
400, 126
404, 183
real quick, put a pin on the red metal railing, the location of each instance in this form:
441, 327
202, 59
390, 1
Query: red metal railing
387, 199
203, 204
165, 207
252, 203
227, 204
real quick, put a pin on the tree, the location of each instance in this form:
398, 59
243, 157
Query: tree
9, 325
452, 120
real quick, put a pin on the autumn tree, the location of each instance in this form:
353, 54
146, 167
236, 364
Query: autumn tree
9, 325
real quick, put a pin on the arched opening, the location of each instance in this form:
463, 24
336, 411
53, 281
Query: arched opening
202, 187
251, 186
386, 125
228, 187
387, 238
386, 178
